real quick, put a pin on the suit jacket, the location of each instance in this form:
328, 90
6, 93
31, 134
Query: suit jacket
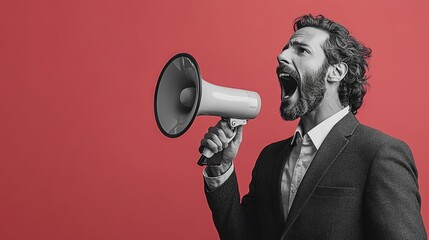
361, 184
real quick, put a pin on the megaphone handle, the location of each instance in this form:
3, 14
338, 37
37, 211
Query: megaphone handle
210, 158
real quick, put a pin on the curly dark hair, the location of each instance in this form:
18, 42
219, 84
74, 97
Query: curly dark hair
342, 47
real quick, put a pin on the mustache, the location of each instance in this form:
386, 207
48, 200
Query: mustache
281, 68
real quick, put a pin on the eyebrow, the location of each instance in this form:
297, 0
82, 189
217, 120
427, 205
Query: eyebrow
297, 43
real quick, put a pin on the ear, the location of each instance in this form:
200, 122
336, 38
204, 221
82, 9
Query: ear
338, 72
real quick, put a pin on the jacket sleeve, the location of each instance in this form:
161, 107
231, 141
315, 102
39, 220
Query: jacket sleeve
234, 220
392, 199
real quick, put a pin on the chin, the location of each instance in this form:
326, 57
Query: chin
290, 108
288, 112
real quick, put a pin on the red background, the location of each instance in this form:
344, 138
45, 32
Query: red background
81, 156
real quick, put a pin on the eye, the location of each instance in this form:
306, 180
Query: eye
302, 50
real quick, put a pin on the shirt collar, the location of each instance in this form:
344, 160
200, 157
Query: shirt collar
298, 131
319, 132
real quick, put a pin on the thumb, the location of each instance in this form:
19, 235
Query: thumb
238, 136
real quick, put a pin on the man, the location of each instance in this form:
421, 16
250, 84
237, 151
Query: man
334, 178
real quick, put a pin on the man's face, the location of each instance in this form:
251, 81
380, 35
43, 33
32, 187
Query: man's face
302, 72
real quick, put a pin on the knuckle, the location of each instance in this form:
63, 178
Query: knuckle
204, 143
221, 123
211, 136
212, 146
207, 136
214, 130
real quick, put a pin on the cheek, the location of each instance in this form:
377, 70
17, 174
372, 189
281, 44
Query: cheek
316, 59
310, 67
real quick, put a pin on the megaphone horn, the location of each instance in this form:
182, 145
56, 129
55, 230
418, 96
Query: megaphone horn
181, 95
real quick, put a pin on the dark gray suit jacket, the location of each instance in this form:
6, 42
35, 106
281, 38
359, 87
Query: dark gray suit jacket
362, 184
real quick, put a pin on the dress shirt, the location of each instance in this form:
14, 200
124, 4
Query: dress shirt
214, 182
303, 151
299, 161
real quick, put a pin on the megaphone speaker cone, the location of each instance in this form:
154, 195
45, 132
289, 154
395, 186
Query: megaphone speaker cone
177, 95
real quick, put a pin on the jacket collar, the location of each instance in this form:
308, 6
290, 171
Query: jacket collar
319, 132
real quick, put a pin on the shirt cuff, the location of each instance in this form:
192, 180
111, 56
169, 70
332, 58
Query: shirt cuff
215, 182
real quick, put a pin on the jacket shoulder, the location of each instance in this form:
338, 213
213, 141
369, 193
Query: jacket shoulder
276, 147
375, 137
271, 154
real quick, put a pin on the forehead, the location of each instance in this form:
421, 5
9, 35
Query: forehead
311, 36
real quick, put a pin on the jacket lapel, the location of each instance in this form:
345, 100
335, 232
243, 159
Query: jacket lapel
277, 178
330, 149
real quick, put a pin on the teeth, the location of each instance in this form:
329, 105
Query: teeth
284, 75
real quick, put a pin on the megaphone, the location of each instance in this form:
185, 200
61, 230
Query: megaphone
181, 95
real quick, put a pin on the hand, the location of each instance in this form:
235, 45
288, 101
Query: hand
217, 139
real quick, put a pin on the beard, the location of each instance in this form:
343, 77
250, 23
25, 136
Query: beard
312, 90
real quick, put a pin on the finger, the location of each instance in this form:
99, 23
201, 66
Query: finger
239, 135
210, 145
226, 128
220, 134
215, 139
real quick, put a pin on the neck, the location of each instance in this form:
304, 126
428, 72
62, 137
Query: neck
319, 114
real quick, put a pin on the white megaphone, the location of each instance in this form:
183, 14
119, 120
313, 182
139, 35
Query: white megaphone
181, 95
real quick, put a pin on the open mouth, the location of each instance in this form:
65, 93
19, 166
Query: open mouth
288, 84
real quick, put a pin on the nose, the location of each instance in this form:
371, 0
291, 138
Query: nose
284, 57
